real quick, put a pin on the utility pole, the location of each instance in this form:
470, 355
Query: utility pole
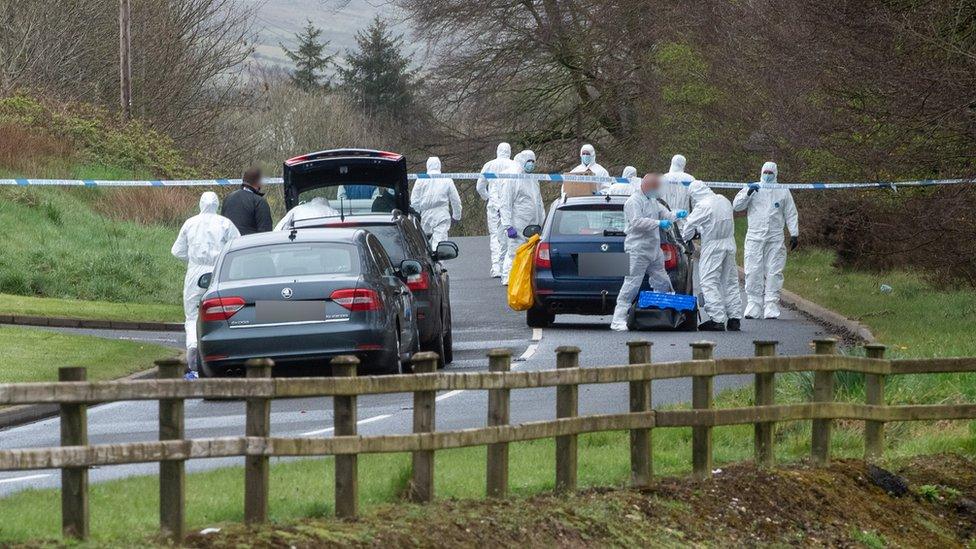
125, 58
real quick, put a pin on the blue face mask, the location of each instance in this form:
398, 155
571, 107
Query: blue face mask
586, 159
768, 178
529, 166
651, 194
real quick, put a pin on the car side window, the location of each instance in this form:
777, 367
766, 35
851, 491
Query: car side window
379, 255
416, 240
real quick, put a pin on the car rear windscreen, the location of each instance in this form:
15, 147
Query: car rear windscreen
354, 198
588, 220
292, 259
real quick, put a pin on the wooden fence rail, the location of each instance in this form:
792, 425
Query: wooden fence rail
75, 456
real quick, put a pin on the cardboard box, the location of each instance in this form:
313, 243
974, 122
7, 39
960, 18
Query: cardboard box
573, 189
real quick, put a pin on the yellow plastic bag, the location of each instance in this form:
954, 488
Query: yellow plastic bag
520, 296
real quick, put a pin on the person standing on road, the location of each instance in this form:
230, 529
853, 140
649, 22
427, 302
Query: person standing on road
521, 206
246, 206
675, 189
491, 193
438, 202
712, 219
769, 209
199, 243
644, 218
589, 166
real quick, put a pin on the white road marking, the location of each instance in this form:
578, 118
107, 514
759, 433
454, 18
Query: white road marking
21, 479
448, 394
536, 334
380, 417
528, 353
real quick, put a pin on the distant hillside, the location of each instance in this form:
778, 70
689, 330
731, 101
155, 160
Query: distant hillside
277, 21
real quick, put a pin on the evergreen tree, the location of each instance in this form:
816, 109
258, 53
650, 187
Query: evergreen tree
377, 76
309, 59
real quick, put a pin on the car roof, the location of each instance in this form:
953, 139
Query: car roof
301, 235
595, 200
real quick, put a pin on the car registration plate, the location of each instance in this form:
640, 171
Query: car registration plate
274, 312
604, 264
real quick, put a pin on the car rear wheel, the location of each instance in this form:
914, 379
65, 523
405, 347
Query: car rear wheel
537, 317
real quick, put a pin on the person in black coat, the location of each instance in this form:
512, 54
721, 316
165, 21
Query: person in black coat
247, 208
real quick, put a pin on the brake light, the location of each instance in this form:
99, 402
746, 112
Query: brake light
670, 256
220, 308
297, 160
542, 260
359, 299
418, 282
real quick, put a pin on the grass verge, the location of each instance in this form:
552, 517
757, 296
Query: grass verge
33, 354
89, 310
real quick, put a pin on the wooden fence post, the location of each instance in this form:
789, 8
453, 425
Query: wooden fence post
256, 468
422, 485
701, 399
823, 391
499, 360
874, 387
346, 466
172, 474
641, 460
74, 480
765, 396
567, 405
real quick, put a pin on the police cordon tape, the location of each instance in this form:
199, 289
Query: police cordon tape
551, 177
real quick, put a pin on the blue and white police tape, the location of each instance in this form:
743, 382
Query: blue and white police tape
551, 177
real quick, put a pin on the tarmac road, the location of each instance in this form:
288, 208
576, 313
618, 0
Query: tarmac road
482, 321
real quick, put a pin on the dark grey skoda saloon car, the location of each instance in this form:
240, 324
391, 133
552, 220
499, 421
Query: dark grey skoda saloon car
303, 296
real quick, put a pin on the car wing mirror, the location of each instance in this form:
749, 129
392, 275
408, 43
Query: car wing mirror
531, 231
446, 250
205, 280
410, 267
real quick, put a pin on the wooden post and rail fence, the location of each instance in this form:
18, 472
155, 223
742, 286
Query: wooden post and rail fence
75, 455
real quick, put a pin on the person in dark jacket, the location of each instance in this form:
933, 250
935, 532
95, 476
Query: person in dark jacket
247, 208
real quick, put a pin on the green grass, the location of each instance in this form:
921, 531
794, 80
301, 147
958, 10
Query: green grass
57, 246
915, 320
90, 310
32, 354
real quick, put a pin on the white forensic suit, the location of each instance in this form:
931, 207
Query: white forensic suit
769, 210
625, 189
588, 164
490, 191
521, 206
315, 208
674, 188
712, 219
438, 202
199, 243
643, 217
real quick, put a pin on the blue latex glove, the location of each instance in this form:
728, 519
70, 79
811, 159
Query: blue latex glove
664, 224
681, 214
512, 233
753, 187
